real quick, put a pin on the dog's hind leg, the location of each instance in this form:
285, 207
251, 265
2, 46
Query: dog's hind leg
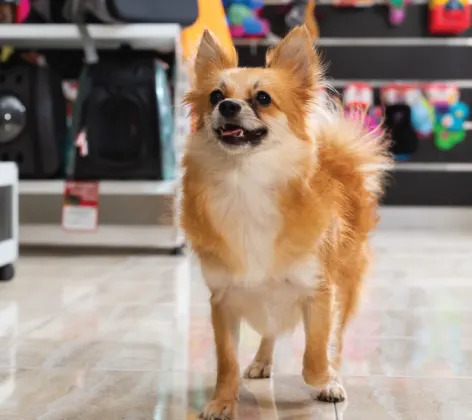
318, 316
350, 282
261, 366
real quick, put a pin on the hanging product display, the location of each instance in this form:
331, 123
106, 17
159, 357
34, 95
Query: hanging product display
449, 17
398, 121
397, 11
32, 119
244, 18
422, 112
13, 11
303, 11
399, 125
122, 120
451, 114
358, 95
358, 99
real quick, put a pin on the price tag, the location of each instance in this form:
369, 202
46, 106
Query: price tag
80, 207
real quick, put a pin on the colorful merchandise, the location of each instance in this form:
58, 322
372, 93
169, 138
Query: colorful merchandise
397, 11
449, 17
451, 114
449, 129
441, 94
244, 18
14, 11
422, 117
358, 101
358, 95
22, 10
397, 100
422, 112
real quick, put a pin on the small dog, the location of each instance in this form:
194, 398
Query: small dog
279, 195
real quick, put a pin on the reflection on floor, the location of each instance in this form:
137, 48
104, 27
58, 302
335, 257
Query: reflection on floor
129, 338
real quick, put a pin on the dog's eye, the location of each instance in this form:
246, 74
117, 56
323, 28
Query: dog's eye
263, 98
216, 96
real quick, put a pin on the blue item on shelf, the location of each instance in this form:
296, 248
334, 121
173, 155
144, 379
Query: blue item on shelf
166, 123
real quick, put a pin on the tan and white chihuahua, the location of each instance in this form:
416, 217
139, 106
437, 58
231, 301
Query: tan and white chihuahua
280, 192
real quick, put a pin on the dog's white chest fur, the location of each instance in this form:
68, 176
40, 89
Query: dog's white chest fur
244, 205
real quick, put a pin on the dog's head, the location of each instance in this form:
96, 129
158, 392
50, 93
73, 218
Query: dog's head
247, 109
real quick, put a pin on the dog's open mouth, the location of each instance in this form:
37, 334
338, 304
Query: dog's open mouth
236, 135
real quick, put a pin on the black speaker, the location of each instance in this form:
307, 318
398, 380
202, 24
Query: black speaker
117, 113
32, 119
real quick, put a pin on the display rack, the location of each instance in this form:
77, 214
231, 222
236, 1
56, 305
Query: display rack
129, 212
138, 36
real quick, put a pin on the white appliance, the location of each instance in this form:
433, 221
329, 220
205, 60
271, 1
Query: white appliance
8, 219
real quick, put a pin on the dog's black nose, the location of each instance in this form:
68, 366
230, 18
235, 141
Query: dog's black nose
229, 108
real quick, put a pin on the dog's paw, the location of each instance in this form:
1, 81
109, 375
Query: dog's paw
219, 410
333, 392
258, 370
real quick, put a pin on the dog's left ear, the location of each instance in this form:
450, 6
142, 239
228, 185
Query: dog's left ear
212, 57
296, 54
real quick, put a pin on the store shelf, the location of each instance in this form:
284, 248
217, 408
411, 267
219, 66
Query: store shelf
123, 188
369, 42
433, 167
138, 36
429, 218
161, 237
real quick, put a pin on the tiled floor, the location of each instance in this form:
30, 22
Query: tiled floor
129, 338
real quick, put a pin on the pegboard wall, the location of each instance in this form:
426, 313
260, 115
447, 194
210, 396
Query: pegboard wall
360, 45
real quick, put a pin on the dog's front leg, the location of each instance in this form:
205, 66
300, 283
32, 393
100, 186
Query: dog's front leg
318, 317
226, 330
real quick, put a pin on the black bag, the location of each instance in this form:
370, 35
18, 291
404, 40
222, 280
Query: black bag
117, 112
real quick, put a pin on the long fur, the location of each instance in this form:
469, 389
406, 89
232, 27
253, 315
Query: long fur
281, 231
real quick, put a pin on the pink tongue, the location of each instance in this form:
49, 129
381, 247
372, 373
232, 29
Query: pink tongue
232, 132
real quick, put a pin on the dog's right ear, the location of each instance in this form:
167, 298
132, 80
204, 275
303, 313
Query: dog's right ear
212, 57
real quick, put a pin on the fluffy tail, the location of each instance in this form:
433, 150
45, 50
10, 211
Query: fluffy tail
348, 147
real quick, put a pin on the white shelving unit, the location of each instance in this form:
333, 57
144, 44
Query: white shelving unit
126, 208
137, 36
131, 188
8, 219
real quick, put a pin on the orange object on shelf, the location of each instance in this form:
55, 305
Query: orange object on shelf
353, 3
310, 19
211, 15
